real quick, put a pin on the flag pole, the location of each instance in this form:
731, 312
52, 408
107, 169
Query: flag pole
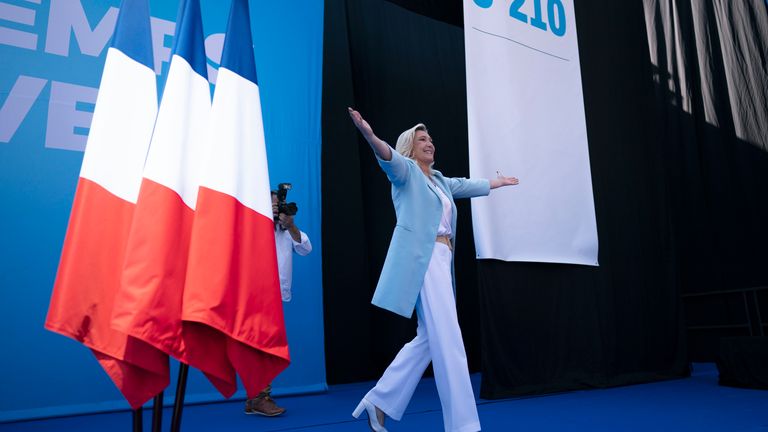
137, 420
178, 406
157, 413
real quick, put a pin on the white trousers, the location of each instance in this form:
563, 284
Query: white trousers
438, 339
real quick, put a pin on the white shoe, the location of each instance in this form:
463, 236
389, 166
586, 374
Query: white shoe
373, 418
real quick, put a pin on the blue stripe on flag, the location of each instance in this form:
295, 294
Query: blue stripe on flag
189, 42
238, 43
133, 35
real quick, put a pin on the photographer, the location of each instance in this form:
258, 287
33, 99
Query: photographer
288, 239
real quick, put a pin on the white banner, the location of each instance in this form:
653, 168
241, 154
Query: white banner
526, 119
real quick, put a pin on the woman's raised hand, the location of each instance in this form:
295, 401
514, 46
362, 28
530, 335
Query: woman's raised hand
379, 147
360, 123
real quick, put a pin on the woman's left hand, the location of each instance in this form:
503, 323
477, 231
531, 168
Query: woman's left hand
503, 181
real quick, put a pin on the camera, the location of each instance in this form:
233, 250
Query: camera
287, 208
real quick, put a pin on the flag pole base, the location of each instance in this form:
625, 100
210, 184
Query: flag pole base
138, 425
178, 406
157, 413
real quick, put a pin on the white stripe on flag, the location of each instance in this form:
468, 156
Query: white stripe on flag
120, 134
235, 165
174, 158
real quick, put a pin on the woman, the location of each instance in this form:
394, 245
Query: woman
418, 273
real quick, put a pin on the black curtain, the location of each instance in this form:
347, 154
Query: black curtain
530, 327
709, 65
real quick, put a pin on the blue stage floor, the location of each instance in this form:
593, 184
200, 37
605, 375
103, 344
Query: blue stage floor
696, 404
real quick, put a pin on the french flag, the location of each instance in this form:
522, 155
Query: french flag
91, 264
232, 280
149, 305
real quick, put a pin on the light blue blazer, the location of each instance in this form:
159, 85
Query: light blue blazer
419, 210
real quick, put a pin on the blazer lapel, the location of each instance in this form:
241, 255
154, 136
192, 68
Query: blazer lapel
433, 186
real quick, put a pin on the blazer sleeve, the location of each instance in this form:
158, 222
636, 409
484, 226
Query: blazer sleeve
468, 188
396, 168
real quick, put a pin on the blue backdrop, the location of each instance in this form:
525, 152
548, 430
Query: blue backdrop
52, 54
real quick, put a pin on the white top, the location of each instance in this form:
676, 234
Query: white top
445, 220
285, 248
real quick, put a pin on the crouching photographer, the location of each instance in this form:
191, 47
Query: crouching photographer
289, 239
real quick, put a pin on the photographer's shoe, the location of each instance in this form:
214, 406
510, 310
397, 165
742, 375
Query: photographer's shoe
263, 405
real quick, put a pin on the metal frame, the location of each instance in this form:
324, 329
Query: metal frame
754, 324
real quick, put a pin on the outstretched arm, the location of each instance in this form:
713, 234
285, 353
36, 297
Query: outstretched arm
503, 181
382, 150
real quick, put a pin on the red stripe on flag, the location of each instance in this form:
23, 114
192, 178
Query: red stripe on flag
149, 303
233, 286
84, 292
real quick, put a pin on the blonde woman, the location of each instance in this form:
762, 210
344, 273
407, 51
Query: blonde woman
418, 274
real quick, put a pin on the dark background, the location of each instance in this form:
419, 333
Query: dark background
681, 205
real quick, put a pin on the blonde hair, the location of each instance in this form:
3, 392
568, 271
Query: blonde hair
405, 140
